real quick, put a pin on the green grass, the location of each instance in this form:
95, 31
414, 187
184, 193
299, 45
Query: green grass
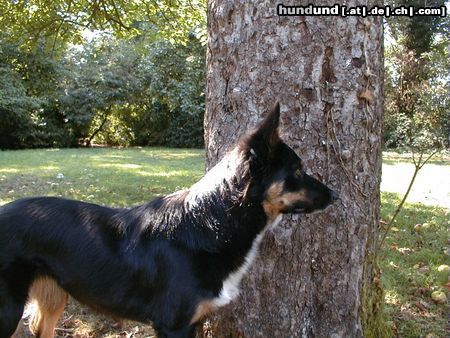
413, 250
116, 177
121, 177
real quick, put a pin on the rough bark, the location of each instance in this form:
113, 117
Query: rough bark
314, 276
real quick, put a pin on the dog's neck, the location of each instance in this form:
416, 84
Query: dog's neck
214, 214
228, 174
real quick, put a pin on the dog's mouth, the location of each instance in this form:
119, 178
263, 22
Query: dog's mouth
299, 211
309, 208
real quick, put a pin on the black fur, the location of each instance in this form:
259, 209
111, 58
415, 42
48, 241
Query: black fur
154, 262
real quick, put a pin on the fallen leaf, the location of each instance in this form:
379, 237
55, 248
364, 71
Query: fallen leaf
405, 251
439, 297
420, 306
424, 269
392, 265
421, 291
447, 286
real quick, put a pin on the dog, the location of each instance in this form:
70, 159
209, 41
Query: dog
169, 262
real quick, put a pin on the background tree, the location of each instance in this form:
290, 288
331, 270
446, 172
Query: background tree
316, 276
15, 105
418, 30
175, 81
417, 90
100, 77
417, 81
35, 77
137, 81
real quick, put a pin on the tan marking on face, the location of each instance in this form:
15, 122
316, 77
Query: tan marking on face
276, 201
272, 210
272, 204
204, 308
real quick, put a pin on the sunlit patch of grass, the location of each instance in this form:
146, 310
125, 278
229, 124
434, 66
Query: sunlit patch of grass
125, 166
8, 170
391, 297
409, 259
431, 184
392, 157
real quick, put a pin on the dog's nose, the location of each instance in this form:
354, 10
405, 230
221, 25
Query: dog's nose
334, 196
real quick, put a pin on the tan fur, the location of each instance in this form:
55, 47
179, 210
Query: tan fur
204, 308
51, 300
276, 201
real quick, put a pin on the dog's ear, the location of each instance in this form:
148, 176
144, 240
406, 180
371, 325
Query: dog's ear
266, 135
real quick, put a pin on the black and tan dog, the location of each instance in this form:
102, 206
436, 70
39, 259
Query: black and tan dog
170, 261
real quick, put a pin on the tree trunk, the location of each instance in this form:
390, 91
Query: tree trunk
315, 276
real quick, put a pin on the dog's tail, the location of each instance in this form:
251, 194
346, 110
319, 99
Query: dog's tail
51, 301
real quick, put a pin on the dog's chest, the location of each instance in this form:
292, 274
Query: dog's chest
230, 286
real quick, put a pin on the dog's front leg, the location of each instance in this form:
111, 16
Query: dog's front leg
185, 332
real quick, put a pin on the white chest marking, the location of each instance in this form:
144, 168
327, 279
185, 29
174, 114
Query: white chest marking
230, 287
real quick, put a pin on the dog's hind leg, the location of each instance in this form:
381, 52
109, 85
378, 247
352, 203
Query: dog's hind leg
51, 301
10, 315
13, 297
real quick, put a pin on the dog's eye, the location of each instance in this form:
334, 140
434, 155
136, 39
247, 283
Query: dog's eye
298, 173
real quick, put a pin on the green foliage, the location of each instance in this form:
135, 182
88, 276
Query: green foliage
35, 119
417, 33
185, 130
176, 78
115, 72
60, 22
99, 77
416, 109
109, 91
417, 84
14, 107
167, 106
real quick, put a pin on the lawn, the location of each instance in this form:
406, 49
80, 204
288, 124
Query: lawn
416, 246
410, 257
115, 177
412, 253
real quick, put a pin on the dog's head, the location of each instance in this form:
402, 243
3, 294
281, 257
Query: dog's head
284, 186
